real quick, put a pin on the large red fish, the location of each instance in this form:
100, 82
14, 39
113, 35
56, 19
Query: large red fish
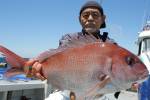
88, 70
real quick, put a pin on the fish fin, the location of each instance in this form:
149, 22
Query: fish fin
98, 96
106, 79
13, 59
116, 95
13, 71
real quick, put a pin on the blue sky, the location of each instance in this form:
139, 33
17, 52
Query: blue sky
29, 27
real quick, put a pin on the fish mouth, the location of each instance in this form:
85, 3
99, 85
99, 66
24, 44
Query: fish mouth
143, 78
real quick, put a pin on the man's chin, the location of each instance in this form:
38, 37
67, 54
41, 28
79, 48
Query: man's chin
90, 30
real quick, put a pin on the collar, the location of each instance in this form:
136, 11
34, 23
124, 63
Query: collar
96, 34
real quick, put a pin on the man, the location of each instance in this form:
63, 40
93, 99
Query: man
92, 19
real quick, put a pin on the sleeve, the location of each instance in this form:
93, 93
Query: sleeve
68, 40
112, 40
64, 40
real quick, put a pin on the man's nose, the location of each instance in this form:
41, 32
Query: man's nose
90, 18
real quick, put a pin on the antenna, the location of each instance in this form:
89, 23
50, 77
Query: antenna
146, 16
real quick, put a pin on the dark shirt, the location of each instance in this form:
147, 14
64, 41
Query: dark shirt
80, 38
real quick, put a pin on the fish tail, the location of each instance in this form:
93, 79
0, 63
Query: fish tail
15, 61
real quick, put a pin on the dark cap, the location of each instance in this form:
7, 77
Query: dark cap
93, 4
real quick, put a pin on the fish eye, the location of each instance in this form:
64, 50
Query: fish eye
129, 60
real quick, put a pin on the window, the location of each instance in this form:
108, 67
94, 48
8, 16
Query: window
145, 46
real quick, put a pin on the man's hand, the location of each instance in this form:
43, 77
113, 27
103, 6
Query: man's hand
135, 87
34, 68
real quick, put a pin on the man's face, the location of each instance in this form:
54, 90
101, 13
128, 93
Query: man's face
91, 19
